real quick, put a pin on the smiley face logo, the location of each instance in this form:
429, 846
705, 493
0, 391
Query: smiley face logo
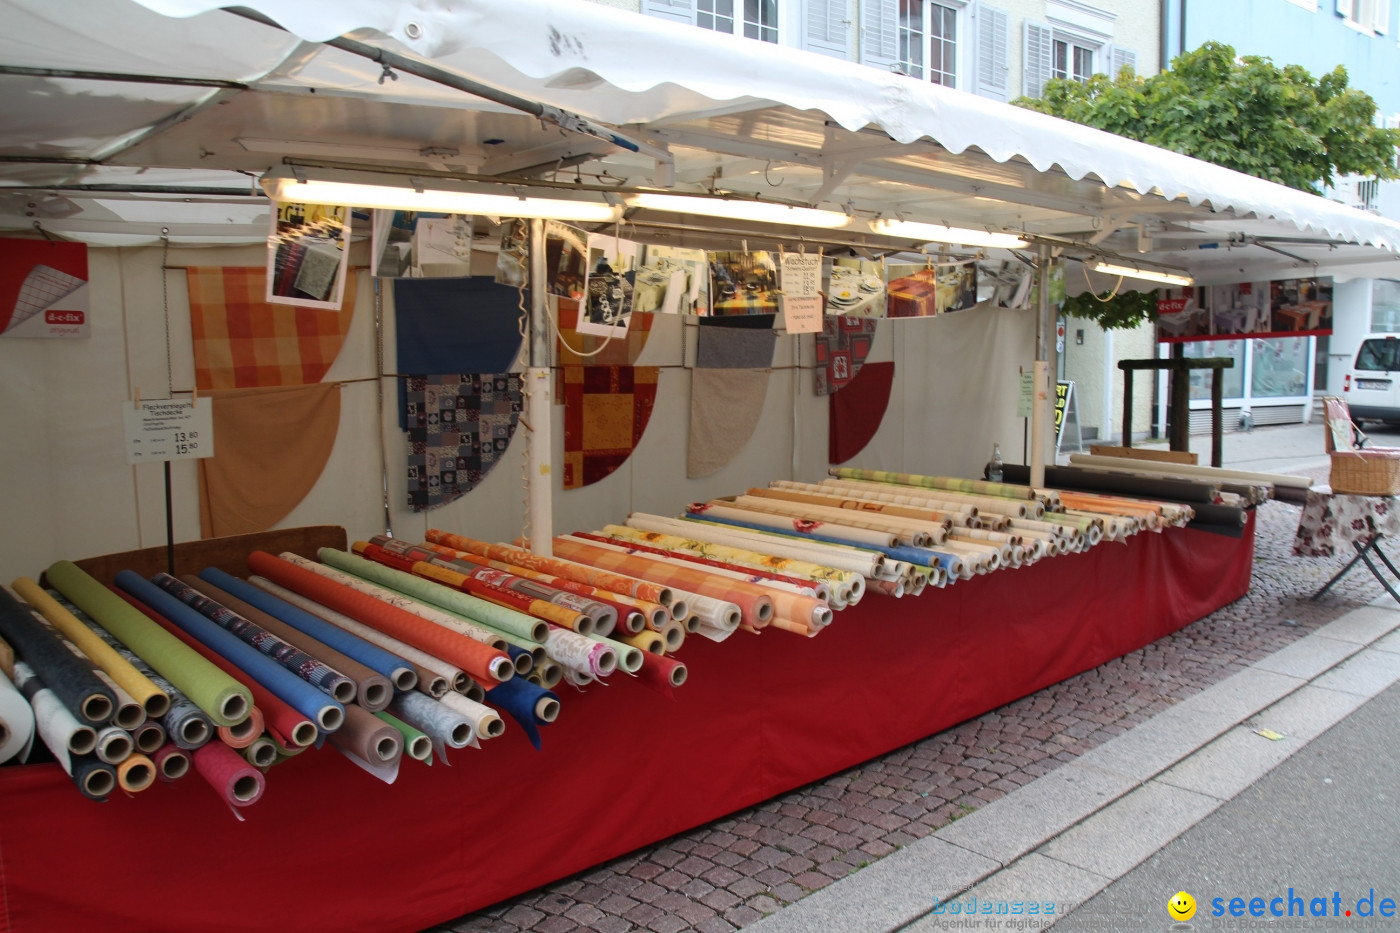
1182, 906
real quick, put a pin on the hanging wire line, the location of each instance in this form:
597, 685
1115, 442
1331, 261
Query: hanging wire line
1111, 295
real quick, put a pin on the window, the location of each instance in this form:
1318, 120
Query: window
928, 41
1366, 15
753, 19
1072, 61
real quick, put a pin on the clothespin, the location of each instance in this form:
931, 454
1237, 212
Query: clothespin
136, 402
194, 396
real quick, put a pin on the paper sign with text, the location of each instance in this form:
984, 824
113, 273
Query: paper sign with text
168, 429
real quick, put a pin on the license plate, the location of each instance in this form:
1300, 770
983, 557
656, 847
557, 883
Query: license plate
1375, 384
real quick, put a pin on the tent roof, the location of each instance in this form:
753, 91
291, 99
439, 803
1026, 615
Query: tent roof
784, 124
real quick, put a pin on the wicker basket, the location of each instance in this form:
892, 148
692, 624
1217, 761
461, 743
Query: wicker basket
1366, 472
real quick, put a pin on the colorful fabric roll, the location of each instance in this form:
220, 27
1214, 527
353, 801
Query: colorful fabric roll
976, 487
416, 744
447, 728
57, 726
368, 738
662, 674
236, 781
528, 704
187, 725
278, 682
372, 690
471, 656
245, 733
222, 698
70, 677
312, 670
152, 699
580, 653
172, 762
136, 773
386, 663
485, 721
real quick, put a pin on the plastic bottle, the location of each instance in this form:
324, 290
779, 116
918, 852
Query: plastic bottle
994, 467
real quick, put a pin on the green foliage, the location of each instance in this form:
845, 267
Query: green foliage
1122, 311
1248, 114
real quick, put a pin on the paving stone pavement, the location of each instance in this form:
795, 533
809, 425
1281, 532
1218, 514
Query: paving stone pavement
729, 873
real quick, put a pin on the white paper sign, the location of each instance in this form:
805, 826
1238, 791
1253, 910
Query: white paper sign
802, 303
168, 429
1025, 402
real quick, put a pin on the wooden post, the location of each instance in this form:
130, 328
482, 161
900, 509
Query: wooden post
1127, 408
1217, 416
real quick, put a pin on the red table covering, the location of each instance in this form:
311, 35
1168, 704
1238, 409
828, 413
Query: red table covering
331, 848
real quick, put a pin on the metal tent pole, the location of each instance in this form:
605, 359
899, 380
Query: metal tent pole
1040, 407
540, 432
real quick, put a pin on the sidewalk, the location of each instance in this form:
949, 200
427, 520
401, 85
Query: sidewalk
732, 873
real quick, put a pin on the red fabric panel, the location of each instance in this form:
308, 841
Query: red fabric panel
857, 410
761, 714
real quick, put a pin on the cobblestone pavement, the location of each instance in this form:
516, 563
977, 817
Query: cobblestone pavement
729, 873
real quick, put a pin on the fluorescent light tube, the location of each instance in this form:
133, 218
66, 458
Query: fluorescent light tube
763, 212
937, 233
1151, 275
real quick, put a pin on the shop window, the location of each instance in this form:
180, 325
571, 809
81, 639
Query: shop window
1071, 60
753, 19
1233, 384
1280, 367
928, 41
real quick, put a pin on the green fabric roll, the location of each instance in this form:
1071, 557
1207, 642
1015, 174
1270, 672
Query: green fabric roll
629, 657
206, 686
414, 741
501, 618
973, 486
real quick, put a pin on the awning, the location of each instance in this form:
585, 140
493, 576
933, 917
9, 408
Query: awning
762, 121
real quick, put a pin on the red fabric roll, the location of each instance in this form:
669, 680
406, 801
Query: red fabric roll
661, 673
277, 713
239, 783
471, 656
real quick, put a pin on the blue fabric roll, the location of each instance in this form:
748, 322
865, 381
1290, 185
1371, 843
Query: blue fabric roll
288, 687
518, 697
515, 651
352, 646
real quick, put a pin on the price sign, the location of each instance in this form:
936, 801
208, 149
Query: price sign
802, 304
168, 429
1027, 398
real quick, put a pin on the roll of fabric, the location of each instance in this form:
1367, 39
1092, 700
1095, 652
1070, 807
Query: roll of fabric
94, 777
629, 657
136, 773
471, 656
579, 652
153, 700
56, 725
368, 738
372, 689
236, 781
385, 663
1084, 480
602, 614
278, 713
416, 744
787, 523
444, 726
485, 722
650, 642
755, 603
663, 674
127, 713
1006, 490
699, 512
807, 494
818, 588
612, 582
313, 670
245, 733
171, 762
547, 674
70, 677
428, 592
213, 691
16, 721
908, 530
187, 725
114, 745
261, 752
148, 736
528, 704
433, 675
773, 547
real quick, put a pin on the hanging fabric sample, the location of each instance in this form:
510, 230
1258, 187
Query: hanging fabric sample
606, 410
622, 349
456, 325
274, 443
459, 427
727, 390
842, 347
242, 341
856, 412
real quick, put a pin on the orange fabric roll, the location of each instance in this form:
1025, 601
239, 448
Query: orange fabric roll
753, 600
475, 658
614, 582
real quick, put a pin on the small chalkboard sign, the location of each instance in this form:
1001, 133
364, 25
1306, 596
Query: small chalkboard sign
1066, 411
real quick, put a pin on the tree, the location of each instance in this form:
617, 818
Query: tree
1247, 114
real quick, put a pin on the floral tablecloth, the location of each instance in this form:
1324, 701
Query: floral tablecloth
1331, 521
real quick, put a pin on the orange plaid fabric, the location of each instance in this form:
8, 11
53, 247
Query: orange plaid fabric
242, 341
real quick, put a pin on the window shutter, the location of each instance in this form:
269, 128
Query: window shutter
993, 29
681, 11
879, 33
1345, 8
1118, 57
1381, 17
826, 27
1038, 59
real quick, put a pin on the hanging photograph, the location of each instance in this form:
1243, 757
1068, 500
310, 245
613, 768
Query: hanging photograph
442, 246
565, 259
611, 278
513, 260
856, 288
671, 280
43, 289
743, 283
1286, 308
308, 255
928, 288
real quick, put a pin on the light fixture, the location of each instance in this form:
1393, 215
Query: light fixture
763, 212
1151, 275
938, 233
400, 192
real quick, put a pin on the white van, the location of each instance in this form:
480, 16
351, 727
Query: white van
1372, 386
